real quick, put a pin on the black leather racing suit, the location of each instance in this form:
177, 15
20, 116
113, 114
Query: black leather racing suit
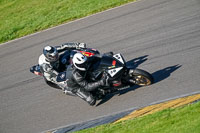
79, 85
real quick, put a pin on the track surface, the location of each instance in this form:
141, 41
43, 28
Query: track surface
163, 34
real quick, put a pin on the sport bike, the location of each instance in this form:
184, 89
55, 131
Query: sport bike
114, 66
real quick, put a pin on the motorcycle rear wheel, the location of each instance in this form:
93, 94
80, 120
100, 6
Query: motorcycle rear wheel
140, 77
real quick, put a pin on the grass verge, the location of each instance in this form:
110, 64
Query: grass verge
22, 17
179, 120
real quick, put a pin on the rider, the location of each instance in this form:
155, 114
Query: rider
77, 81
51, 61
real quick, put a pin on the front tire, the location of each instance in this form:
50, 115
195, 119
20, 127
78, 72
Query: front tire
140, 77
51, 84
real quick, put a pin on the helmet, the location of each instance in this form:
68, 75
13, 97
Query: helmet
80, 61
50, 53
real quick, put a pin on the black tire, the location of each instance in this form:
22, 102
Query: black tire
52, 84
140, 77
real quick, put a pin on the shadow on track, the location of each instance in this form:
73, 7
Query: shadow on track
158, 76
137, 61
164, 73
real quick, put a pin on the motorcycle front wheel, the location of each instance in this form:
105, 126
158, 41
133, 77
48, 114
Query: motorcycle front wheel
140, 77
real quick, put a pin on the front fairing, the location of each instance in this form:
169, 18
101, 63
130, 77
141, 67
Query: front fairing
107, 64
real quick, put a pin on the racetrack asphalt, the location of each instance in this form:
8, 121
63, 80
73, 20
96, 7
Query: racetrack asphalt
160, 36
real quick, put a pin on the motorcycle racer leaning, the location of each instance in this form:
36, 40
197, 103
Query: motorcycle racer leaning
77, 82
51, 63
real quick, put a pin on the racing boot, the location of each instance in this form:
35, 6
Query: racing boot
86, 96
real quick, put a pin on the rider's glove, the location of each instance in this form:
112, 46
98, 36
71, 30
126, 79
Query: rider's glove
81, 45
105, 80
71, 45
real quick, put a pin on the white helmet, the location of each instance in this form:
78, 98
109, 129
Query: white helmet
80, 61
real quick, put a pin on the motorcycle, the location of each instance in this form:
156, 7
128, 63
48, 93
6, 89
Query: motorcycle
114, 66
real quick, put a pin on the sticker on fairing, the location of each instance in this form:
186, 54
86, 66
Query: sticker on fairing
88, 54
119, 57
112, 72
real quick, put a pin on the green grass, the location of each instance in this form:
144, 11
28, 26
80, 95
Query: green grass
22, 17
180, 120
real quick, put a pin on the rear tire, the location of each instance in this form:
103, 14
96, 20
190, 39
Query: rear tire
140, 77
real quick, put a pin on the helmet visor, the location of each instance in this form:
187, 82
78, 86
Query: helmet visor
53, 56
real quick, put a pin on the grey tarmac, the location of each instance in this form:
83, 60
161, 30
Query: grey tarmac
160, 36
